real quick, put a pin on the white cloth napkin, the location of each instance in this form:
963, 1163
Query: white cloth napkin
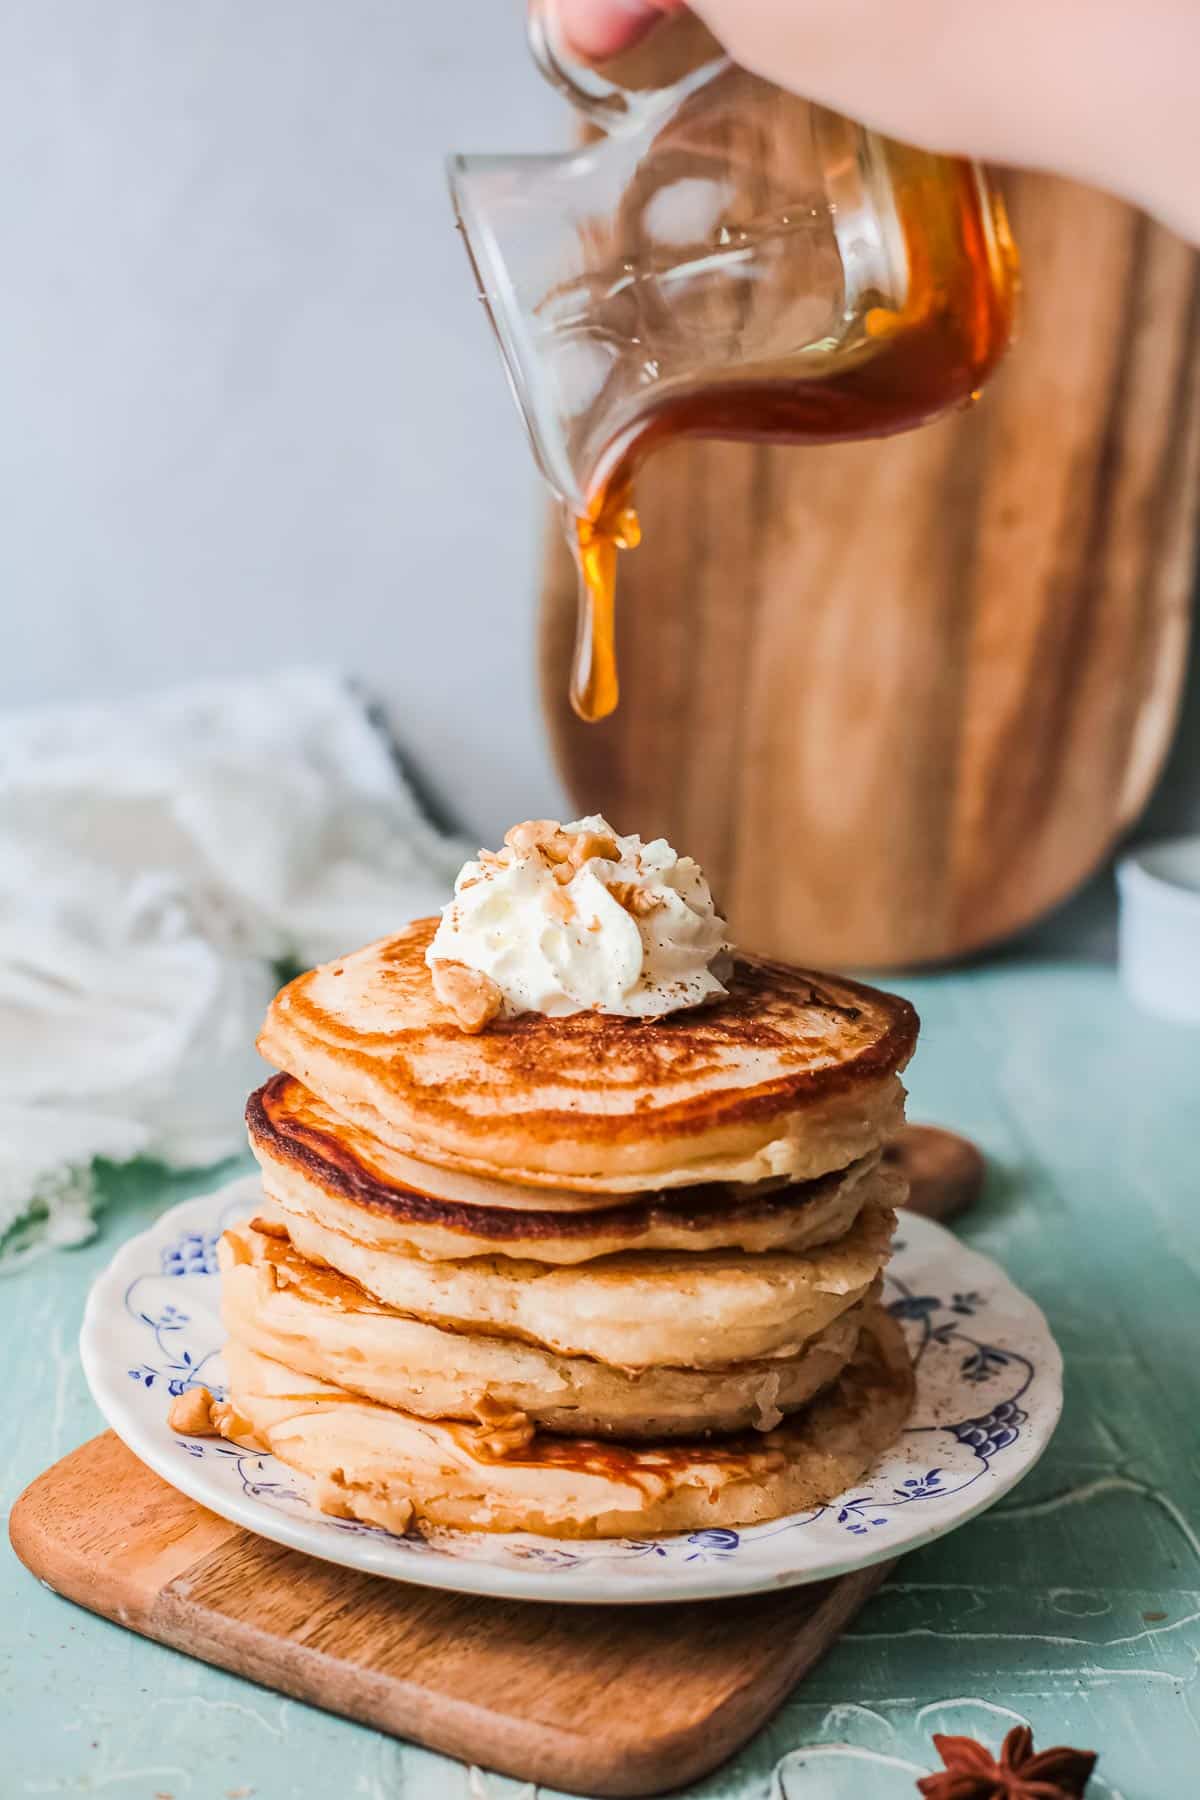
158, 858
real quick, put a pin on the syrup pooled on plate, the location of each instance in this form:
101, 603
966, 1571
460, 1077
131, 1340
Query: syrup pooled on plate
890, 371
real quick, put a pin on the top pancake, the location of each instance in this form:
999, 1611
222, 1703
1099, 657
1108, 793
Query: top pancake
791, 1074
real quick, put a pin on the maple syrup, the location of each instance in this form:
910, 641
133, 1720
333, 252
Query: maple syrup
892, 370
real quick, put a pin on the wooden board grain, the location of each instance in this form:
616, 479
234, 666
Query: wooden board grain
592, 1699
901, 698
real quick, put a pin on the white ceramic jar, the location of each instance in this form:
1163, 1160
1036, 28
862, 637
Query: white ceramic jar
1159, 942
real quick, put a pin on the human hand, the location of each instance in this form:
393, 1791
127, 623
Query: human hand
600, 28
1096, 89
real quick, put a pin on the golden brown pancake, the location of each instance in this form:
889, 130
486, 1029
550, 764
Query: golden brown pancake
389, 1468
681, 1309
279, 1305
315, 1163
791, 1074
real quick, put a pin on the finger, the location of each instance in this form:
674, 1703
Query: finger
600, 28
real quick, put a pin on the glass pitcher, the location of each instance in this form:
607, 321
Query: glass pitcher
721, 259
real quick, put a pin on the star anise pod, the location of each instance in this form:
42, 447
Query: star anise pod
973, 1773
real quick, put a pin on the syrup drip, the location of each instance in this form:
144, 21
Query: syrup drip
613, 526
894, 370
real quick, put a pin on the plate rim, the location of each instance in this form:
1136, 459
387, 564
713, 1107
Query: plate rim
374, 1556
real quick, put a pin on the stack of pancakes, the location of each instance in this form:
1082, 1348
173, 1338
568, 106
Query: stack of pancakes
588, 1276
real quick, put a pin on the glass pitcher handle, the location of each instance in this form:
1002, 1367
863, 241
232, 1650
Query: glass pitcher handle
615, 109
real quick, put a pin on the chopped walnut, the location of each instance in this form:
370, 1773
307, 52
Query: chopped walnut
588, 844
634, 899
569, 850
502, 1430
565, 851
559, 905
335, 1497
229, 1422
191, 1414
532, 835
470, 995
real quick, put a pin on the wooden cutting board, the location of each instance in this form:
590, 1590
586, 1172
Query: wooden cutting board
592, 1699
901, 698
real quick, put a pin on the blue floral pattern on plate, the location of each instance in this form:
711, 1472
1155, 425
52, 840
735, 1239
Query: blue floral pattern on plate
988, 1397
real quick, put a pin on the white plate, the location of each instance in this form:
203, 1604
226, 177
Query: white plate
989, 1392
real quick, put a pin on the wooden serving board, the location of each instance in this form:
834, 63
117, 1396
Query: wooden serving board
901, 698
593, 1699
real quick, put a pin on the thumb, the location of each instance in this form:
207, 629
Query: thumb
600, 28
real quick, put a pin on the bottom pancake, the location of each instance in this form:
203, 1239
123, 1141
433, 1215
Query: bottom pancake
276, 1303
389, 1468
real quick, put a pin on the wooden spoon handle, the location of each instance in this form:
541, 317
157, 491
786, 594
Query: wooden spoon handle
945, 1171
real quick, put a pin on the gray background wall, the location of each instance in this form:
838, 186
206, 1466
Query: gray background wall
250, 412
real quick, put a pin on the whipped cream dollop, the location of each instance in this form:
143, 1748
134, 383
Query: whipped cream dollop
573, 918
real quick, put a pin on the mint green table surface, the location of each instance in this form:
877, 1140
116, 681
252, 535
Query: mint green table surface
1075, 1604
